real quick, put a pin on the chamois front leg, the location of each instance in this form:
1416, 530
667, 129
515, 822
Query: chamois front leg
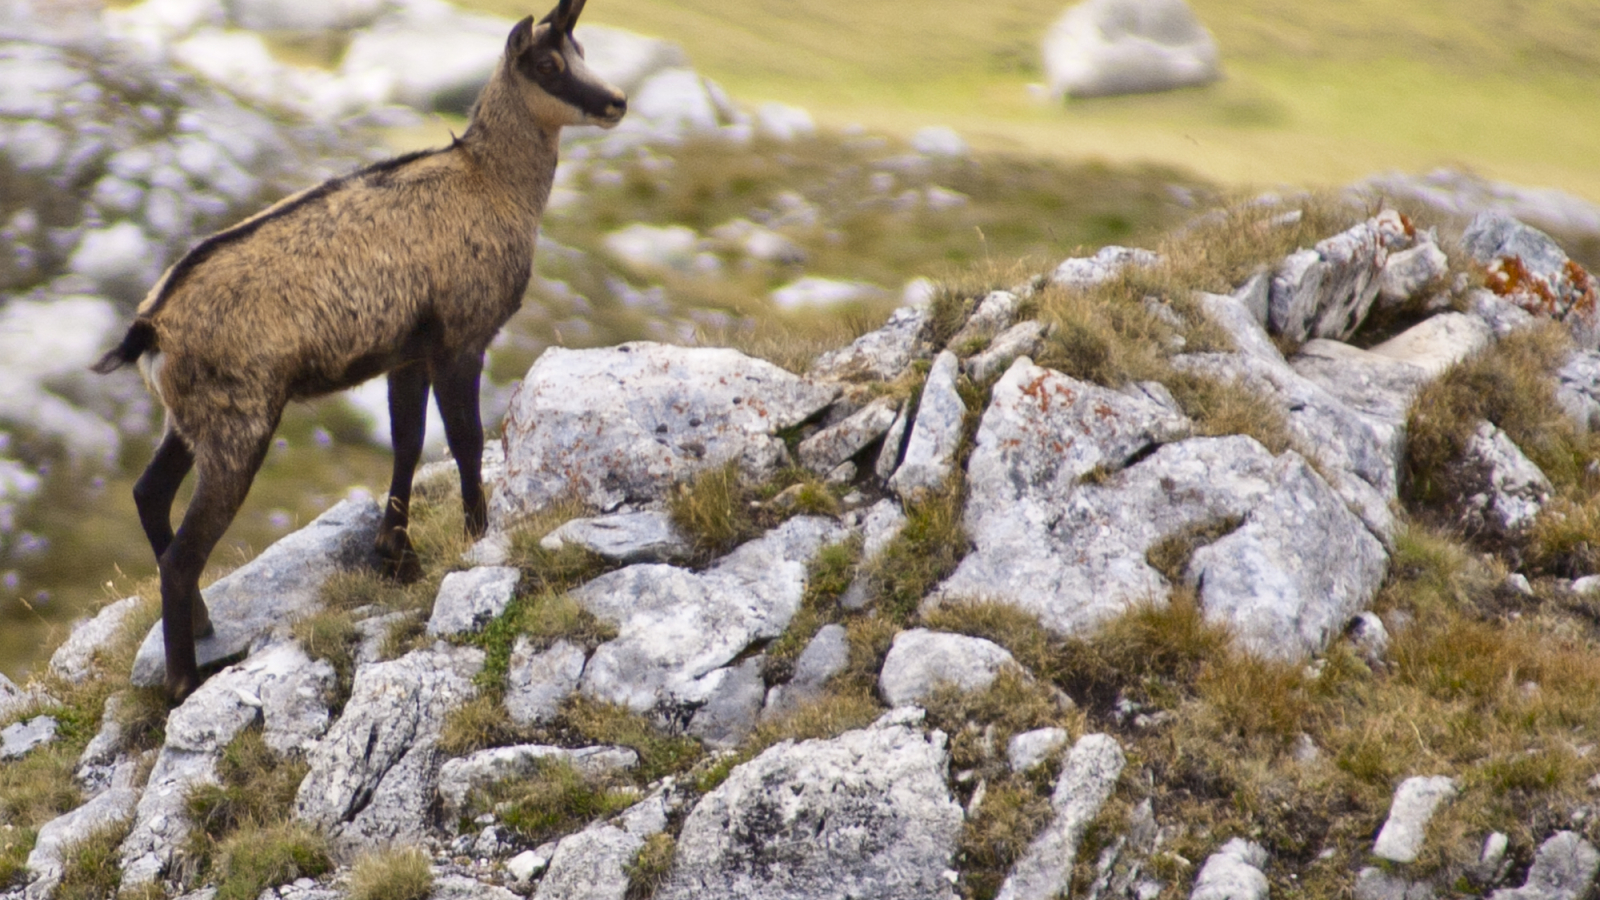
455, 384
224, 480
155, 490
408, 423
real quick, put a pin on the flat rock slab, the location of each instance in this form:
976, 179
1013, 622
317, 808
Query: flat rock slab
626, 423
675, 627
626, 537
1415, 801
866, 814
1233, 873
922, 661
1087, 779
838, 443
1563, 869
75, 659
537, 681
21, 738
113, 806
258, 602
468, 601
458, 778
590, 865
373, 776
935, 434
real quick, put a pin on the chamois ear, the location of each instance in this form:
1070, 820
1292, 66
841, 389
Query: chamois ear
520, 39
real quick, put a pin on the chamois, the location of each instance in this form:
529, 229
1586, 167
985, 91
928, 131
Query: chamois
408, 267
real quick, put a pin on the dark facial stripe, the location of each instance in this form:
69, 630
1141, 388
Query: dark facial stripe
594, 99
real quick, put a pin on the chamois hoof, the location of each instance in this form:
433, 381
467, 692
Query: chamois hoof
179, 687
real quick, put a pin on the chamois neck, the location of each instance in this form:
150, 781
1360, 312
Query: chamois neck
510, 144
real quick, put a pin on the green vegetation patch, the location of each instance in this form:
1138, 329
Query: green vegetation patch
92, 868
650, 866
257, 857
555, 799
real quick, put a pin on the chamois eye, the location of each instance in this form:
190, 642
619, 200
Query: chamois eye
546, 66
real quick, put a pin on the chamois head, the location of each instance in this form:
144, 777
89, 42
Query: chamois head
547, 63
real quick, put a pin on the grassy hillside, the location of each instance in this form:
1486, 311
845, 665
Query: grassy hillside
1316, 94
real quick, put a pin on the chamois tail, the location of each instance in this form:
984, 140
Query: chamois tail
140, 339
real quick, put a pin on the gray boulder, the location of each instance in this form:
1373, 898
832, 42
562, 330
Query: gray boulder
1503, 490
590, 865
647, 535
57, 837
372, 778
1563, 869
676, 627
881, 355
826, 655
1438, 343
12, 697
996, 312
1578, 389
458, 778
21, 738
1101, 48
1021, 339
840, 442
1087, 779
626, 423
538, 681
1327, 291
922, 661
1408, 273
75, 659
733, 704
1233, 873
1528, 268
468, 601
1415, 801
258, 602
1083, 272
935, 435
866, 814
1030, 748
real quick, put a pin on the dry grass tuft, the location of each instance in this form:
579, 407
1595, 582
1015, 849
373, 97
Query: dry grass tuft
396, 873
257, 857
93, 866
929, 547
650, 866
554, 800
828, 578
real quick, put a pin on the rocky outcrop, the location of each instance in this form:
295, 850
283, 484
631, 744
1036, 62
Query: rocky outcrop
865, 814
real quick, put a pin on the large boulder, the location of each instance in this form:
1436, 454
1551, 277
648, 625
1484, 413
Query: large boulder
1528, 268
1326, 291
626, 423
866, 814
257, 603
1105, 47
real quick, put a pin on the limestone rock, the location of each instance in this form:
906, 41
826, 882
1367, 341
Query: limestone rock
936, 434
1326, 291
1030, 748
734, 698
74, 660
1563, 869
626, 423
468, 601
1408, 272
590, 865
1233, 873
826, 655
1578, 389
866, 814
258, 602
646, 247
838, 443
372, 777
280, 686
57, 837
458, 778
894, 444
1437, 343
1415, 801
1504, 490
1529, 269
11, 696
1086, 782
812, 291
21, 738
996, 312
1101, 48
1021, 339
647, 535
881, 355
921, 661
1082, 272
675, 627
537, 682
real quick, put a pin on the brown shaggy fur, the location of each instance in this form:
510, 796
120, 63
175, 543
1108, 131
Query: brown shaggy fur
408, 267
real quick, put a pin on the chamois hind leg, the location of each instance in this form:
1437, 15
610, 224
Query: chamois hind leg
408, 422
224, 476
155, 490
455, 386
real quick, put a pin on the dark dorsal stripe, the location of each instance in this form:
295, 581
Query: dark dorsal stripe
208, 247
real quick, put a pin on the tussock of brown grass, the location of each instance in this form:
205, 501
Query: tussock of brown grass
554, 800
396, 873
828, 577
92, 867
651, 866
242, 838
925, 552
719, 509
